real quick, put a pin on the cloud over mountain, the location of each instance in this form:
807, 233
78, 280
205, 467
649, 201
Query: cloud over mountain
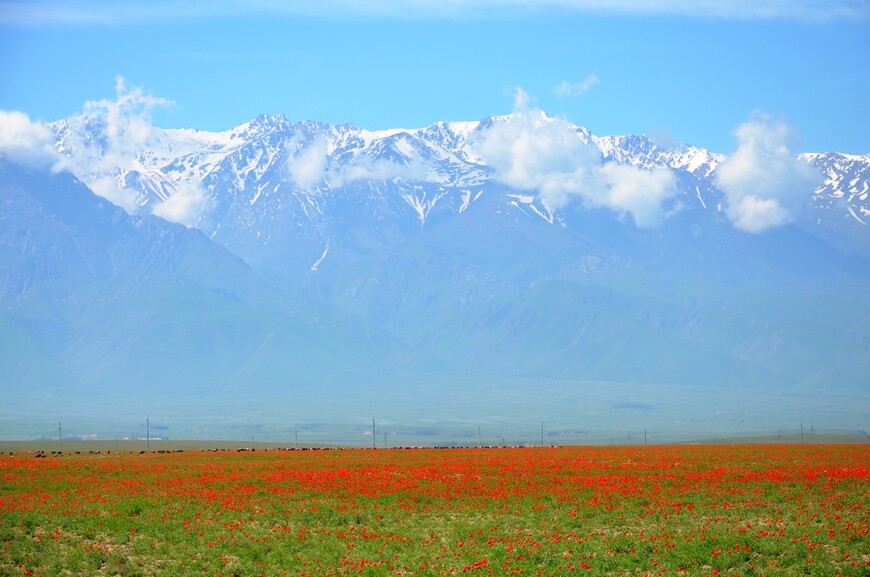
114, 147
306, 163
765, 184
532, 152
461, 252
375, 169
108, 135
185, 206
27, 142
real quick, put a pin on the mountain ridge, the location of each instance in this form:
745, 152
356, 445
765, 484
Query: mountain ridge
330, 262
449, 137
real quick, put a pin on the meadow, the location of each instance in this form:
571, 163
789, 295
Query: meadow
727, 510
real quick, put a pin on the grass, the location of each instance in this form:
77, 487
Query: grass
784, 510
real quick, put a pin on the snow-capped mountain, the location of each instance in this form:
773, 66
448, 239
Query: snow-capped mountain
248, 187
517, 248
843, 201
271, 186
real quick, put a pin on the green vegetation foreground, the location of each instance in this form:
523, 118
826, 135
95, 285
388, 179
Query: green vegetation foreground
715, 510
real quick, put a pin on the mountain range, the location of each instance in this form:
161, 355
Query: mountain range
465, 272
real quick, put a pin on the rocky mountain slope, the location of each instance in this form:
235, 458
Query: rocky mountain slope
304, 262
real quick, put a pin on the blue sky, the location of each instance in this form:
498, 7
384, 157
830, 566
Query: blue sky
689, 70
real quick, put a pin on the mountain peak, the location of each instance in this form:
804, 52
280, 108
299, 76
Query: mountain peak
264, 123
254, 160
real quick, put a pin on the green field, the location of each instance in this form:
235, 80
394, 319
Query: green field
699, 510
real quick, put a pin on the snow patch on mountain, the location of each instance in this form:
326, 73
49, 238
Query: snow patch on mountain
272, 177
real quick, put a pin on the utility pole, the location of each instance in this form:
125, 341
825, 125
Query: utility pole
478, 438
59, 438
802, 433
374, 436
629, 438
644, 437
295, 436
147, 434
542, 433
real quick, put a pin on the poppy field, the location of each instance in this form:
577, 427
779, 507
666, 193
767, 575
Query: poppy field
776, 510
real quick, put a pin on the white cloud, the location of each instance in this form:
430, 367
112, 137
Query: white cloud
26, 142
533, 152
106, 139
306, 165
765, 183
108, 188
86, 12
662, 138
641, 193
364, 168
755, 214
125, 122
522, 100
567, 89
185, 206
